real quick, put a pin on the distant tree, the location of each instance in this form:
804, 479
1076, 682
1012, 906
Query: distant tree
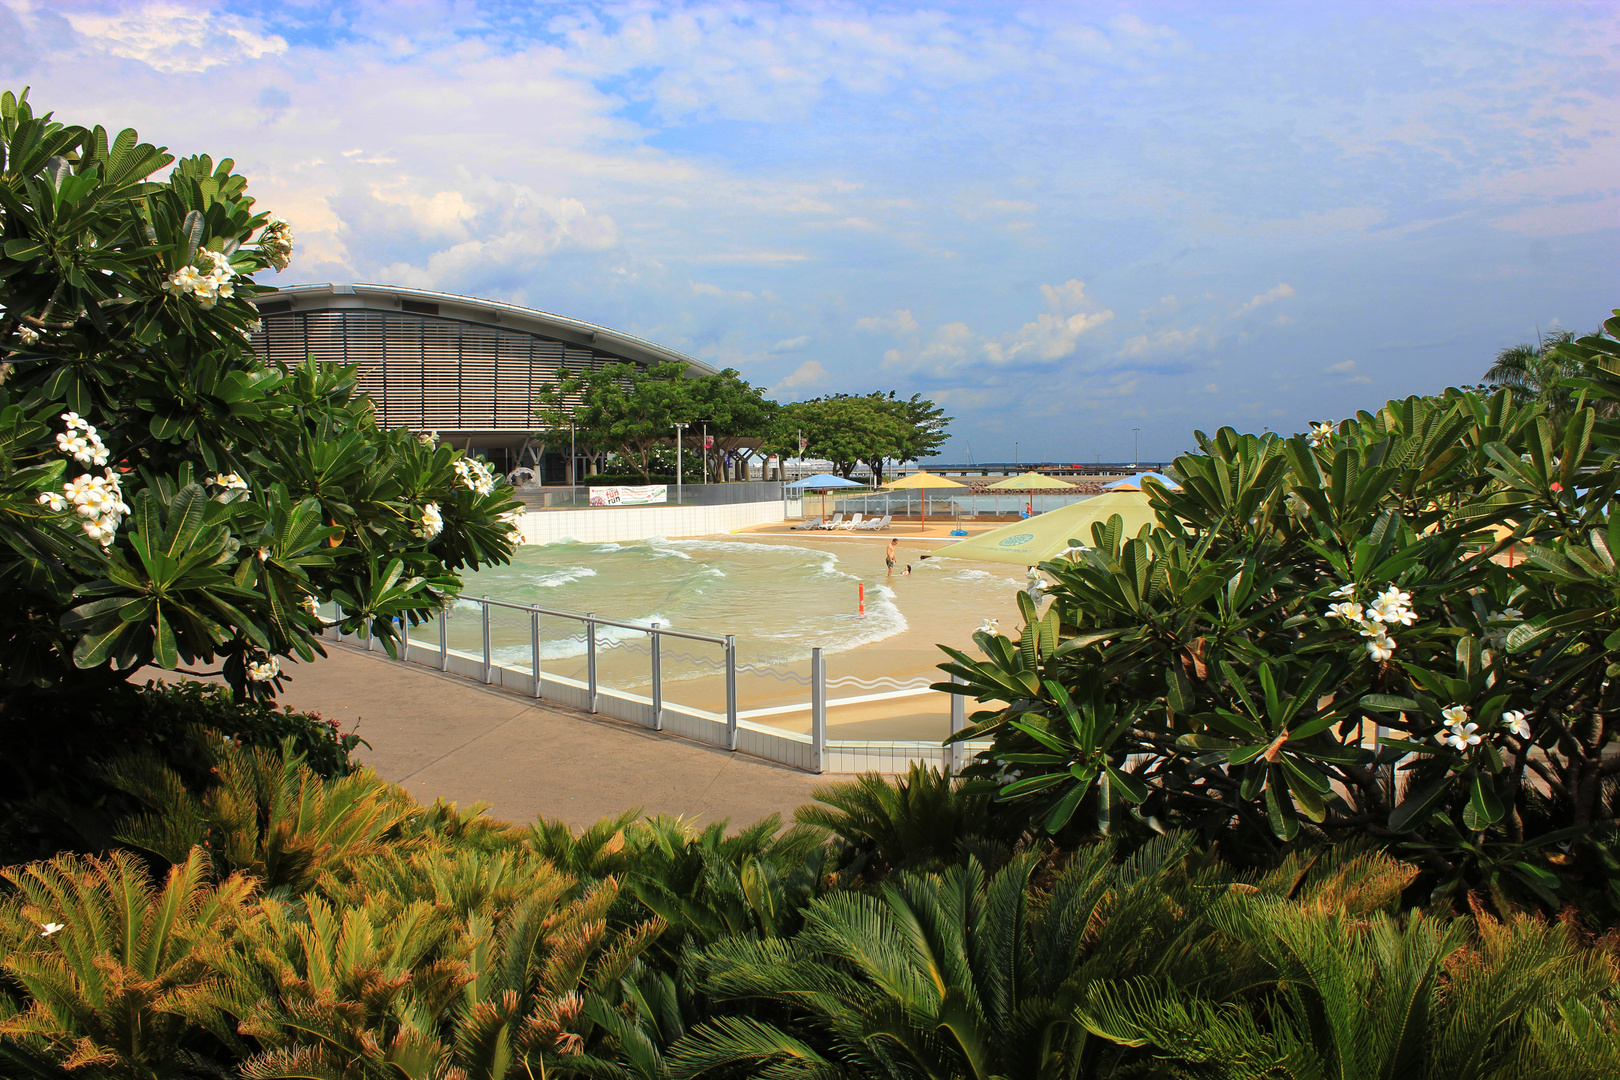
925, 428
848, 431
625, 408
1539, 371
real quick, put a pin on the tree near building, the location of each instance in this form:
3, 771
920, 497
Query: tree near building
166, 497
1538, 372
739, 417
624, 408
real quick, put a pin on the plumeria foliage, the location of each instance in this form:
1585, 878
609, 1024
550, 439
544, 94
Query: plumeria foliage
1404, 625
166, 497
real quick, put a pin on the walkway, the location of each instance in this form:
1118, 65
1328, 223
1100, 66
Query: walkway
440, 736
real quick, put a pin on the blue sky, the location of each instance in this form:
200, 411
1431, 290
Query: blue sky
1062, 221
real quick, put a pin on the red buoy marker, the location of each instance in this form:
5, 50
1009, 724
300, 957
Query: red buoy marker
862, 588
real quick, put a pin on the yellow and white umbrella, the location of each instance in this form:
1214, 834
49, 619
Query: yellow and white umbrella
1030, 481
1047, 536
924, 482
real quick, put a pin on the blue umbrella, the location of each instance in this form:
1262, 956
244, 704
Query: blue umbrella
823, 481
1134, 483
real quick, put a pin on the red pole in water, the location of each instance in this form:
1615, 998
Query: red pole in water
862, 588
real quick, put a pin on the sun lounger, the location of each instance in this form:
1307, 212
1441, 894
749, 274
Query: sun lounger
813, 523
834, 523
853, 523
876, 524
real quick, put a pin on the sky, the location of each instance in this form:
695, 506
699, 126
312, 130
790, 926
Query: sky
1062, 221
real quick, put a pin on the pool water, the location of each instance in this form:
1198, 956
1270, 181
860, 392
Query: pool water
779, 600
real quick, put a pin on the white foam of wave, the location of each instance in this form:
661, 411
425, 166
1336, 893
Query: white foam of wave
572, 645
559, 577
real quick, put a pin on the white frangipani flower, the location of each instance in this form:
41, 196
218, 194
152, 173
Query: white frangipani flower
1381, 649
1348, 610
27, 335
991, 627
1462, 736
474, 475
81, 442
312, 605
55, 502
432, 522
276, 242
99, 501
229, 483
1517, 722
512, 519
1320, 433
47, 929
263, 671
1346, 591
1454, 714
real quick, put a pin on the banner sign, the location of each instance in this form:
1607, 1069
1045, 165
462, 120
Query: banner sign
629, 496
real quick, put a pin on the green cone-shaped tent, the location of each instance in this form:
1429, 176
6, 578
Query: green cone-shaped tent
1044, 536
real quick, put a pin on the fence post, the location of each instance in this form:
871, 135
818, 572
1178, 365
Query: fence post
534, 649
731, 692
404, 639
1105, 804
444, 638
818, 712
958, 722
658, 682
483, 603
590, 657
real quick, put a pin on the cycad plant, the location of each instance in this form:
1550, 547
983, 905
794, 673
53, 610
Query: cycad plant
269, 815
913, 821
1346, 996
119, 975
955, 974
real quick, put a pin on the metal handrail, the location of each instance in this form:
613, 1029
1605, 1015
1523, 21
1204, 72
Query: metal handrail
599, 621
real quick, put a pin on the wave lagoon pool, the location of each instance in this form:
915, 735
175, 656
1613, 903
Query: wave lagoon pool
779, 599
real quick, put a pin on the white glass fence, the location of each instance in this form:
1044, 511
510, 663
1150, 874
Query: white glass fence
677, 681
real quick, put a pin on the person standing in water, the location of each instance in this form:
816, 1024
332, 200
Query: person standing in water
889, 556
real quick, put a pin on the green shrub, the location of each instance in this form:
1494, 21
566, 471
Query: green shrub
1402, 627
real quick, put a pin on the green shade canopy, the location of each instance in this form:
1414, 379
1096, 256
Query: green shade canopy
1030, 481
1046, 535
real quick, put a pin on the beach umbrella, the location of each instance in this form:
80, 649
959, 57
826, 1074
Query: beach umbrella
1045, 537
824, 481
924, 482
1134, 483
1030, 481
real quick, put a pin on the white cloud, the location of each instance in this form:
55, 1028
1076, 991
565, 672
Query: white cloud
1342, 368
174, 38
791, 344
809, 373
1270, 296
1167, 341
900, 323
1054, 334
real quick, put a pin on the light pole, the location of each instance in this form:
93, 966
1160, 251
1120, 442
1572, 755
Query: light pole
572, 478
1136, 452
678, 492
1015, 451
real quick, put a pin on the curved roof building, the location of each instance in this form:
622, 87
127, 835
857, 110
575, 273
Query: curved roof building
464, 367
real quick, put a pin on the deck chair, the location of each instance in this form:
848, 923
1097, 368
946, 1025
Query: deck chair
853, 523
837, 519
874, 524
813, 523
882, 522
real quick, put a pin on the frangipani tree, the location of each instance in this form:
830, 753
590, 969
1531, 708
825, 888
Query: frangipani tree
1404, 626
165, 496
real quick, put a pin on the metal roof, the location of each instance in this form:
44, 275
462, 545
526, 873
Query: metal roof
471, 309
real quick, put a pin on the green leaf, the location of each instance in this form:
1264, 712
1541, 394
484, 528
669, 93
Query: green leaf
1414, 810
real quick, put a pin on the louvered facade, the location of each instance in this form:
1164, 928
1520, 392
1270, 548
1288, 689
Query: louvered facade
469, 369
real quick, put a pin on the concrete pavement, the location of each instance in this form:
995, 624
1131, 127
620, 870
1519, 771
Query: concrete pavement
440, 736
